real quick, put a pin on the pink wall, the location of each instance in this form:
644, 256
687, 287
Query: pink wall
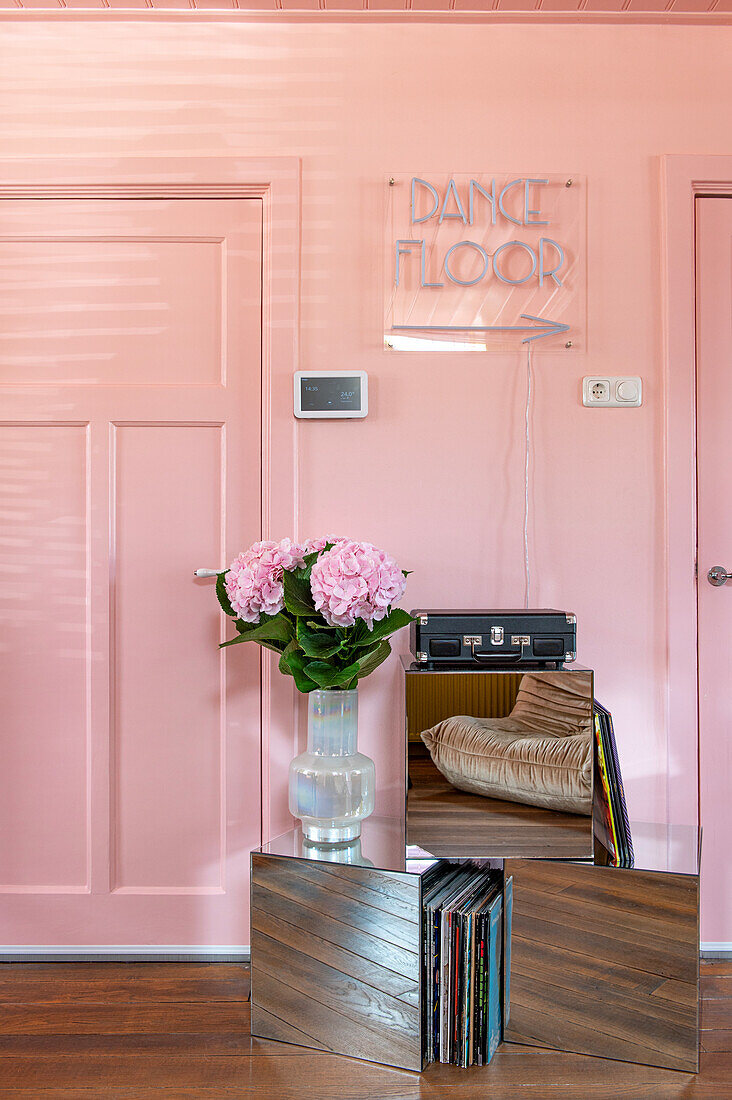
357, 104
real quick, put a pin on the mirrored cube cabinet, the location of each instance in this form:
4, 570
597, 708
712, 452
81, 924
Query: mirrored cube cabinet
538, 729
557, 949
597, 960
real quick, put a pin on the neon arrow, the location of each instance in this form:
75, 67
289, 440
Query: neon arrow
540, 329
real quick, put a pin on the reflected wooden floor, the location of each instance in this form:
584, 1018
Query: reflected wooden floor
448, 822
176, 1031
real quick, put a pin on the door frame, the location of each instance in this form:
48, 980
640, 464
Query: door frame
683, 179
276, 181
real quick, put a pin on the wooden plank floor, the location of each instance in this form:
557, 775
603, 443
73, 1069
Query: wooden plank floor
141, 1030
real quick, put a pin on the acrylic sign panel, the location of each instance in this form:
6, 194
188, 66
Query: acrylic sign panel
485, 261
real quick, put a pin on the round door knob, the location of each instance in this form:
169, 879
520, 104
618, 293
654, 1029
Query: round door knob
718, 575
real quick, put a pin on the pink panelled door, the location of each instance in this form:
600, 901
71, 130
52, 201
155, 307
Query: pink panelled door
714, 465
130, 454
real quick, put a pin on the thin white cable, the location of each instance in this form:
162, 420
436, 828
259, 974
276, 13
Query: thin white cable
527, 569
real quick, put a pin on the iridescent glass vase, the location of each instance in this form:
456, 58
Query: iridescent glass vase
332, 785
347, 852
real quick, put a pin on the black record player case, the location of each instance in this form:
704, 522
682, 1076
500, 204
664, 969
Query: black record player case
543, 638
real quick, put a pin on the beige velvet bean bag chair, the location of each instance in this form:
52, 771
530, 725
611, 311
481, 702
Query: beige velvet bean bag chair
541, 754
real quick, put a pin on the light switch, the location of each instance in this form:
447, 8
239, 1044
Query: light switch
627, 390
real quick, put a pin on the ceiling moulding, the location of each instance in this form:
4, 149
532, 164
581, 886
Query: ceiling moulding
699, 12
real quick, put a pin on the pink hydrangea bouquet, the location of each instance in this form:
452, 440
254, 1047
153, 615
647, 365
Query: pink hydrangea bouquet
325, 605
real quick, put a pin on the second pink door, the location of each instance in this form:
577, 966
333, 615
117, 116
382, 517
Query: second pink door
130, 352
714, 520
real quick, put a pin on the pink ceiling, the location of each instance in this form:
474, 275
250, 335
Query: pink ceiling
702, 11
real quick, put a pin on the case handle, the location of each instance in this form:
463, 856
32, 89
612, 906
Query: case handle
487, 658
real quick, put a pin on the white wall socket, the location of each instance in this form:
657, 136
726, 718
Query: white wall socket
612, 392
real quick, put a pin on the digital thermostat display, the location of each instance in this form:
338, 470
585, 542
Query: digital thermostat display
326, 394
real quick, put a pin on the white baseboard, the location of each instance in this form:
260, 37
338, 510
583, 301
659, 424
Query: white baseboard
718, 950
118, 952
183, 952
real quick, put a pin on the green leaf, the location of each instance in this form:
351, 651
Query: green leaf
243, 627
317, 643
270, 628
276, 647
310, 560
394, 621
370, 661
292, 662
358, 634
284, 664
222, 597
298, 597
326, 676
234, 641
359, 652
303, 683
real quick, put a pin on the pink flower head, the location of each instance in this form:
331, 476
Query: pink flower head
289, 554
253, 582
311, 545
355, 580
